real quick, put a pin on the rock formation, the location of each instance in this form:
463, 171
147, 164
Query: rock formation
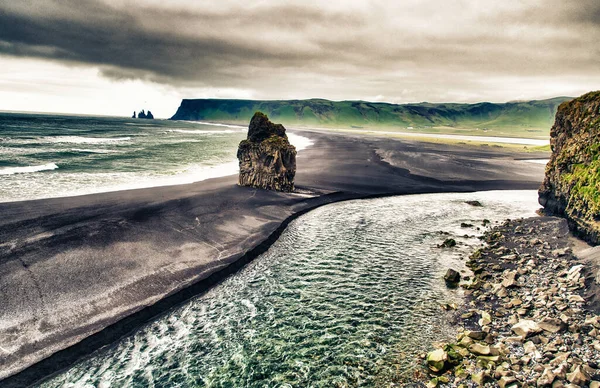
267, 159
143, 115
571, 187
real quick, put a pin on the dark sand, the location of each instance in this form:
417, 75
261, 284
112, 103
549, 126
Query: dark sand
78, 273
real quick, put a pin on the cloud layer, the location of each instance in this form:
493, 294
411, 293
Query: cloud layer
433, 49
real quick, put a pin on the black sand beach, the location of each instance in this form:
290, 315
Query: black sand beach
78, 273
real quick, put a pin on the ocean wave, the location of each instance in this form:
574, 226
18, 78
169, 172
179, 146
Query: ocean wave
300, 142
27, 169
200, 131
86, 140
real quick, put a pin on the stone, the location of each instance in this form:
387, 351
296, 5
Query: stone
575, 299
509, 279
267, 160
595, 384
485, 319
546, 378
525, 328
448, 243
436, 360
477, 335
479, 350
506, 381
479, 378
452, 277
551, 325
578, 376
474, 203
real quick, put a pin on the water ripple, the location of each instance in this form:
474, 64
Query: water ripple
348, 296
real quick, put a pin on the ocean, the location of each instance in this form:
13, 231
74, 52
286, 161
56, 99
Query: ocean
45, 156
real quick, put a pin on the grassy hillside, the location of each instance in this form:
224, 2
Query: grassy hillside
524, 119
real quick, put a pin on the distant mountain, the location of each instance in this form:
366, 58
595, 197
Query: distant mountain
512, 118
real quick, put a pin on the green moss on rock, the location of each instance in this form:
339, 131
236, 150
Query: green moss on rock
571, 187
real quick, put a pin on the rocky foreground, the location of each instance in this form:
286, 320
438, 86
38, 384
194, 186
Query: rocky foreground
525, 323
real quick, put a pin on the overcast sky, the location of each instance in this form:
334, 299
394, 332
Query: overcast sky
116, 56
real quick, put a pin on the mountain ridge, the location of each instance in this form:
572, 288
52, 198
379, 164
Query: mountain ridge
510, 118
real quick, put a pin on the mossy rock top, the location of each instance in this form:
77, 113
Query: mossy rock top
261, 128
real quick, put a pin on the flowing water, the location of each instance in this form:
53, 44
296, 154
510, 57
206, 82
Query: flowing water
44, 156
348, 296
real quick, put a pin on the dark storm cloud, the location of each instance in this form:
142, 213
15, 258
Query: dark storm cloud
234, 44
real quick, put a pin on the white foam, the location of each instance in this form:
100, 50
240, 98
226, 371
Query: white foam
85, 140
300, 142
71, 184
537, 161
27, 169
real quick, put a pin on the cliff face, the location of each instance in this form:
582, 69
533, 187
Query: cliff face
267, 159
571, 187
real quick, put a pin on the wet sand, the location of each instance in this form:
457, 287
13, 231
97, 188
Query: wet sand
78, 273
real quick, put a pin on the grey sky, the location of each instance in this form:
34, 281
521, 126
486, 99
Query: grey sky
397, 51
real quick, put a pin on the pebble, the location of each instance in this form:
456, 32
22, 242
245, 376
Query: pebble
525, 319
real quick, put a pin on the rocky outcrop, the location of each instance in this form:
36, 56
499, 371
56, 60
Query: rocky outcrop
571, 187
143, 115
267, 159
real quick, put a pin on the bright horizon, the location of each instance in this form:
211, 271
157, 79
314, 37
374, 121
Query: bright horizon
111, 57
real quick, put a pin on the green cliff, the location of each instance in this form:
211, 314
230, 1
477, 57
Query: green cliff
571, 187
524, 119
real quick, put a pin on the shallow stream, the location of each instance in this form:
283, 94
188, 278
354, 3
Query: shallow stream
348, 296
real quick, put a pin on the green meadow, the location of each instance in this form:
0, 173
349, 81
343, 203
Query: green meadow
531, 119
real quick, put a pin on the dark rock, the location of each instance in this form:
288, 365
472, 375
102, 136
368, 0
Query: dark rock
474, 203
465, 225
267, 159
452, 277
144, 115
448, 243
572, 182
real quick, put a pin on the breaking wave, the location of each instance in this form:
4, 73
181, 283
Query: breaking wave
27, 169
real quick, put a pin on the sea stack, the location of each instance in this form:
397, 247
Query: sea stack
571, 187
267, 159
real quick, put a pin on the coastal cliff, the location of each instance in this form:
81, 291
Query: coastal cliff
267, 159
519, 118
571, 187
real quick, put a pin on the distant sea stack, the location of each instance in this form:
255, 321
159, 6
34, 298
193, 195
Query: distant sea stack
571, 187
267, 159
143, 115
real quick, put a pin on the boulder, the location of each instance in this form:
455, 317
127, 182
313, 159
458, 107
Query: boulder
572, 180
452, 277
267, 159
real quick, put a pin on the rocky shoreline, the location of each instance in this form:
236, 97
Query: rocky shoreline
524, 322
